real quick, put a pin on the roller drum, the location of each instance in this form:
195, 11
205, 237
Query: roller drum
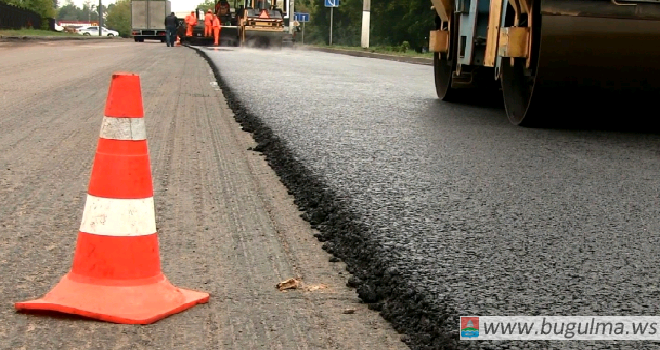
264, 39
587, 54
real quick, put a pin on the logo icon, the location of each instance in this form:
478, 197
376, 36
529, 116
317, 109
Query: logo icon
469, 327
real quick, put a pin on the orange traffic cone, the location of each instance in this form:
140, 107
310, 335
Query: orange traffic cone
116, 275
178, 41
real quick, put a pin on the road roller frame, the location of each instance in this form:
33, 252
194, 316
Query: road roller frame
262, 26
478, 42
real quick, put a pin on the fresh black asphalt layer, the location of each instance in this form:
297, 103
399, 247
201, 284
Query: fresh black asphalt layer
445, 210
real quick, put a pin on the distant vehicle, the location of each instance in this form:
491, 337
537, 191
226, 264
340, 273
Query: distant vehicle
148, 19
95, 31
72, 26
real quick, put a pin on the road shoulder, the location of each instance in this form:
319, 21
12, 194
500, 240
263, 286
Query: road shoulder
18, 41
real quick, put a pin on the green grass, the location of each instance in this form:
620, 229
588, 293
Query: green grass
32, 32
383, 50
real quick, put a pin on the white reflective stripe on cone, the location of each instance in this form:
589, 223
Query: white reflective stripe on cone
118, 217
123, 129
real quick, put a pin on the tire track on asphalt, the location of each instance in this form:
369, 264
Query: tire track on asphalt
166, 128
160, 110
291, 256
244, 328
180, 229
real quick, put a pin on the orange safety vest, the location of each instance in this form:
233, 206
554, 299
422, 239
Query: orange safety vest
208, 19
193, 20
187, 20
216, 22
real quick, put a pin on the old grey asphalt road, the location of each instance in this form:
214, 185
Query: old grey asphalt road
448, 210
226, 224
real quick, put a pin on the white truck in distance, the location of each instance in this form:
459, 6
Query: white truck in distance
148, 19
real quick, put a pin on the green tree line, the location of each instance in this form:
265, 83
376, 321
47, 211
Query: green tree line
45, 8
394, 23
117, 16
71, 12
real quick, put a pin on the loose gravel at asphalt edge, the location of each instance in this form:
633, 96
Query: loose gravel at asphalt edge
386, 291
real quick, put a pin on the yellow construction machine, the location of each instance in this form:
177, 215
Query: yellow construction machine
261, 24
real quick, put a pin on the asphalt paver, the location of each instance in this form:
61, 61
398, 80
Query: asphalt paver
226, 224
445, 210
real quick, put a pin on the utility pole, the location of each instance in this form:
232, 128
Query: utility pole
331, 4
331, 14
290, 11
100, 17
366, 18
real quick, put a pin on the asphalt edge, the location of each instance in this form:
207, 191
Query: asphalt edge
414, 60
409, 310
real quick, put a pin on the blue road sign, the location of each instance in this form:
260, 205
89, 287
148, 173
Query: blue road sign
331, 3
301, 17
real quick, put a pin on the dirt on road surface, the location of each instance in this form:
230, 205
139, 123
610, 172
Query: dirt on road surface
226, 224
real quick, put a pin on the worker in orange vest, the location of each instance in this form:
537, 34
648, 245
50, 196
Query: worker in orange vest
208, 23
191, 23
186, 21
216, 29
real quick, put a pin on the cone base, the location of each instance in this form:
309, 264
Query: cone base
141, 304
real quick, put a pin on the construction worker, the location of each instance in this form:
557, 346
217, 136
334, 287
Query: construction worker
171, 23
192, 22
208, 23
186, 21
216, 30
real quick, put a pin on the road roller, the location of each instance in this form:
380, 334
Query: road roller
262, 24
546, 54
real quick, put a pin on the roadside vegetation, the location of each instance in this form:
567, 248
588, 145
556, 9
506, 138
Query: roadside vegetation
392, 50
117, 16
398, 27
44, 8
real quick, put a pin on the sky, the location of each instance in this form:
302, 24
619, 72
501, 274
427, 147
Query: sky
177, 5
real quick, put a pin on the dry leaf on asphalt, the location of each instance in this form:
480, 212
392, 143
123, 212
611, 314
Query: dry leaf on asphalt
291, 283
